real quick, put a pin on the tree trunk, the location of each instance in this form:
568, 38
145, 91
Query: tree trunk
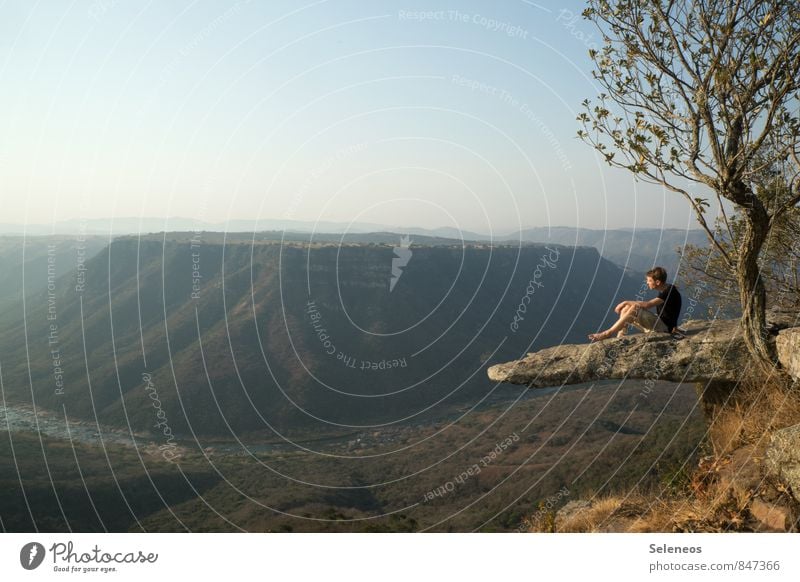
752, 292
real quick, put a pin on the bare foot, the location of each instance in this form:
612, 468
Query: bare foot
597, 337
622, 333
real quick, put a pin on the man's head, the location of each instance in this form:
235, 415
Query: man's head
656, 277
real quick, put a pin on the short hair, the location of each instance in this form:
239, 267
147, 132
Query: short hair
658, 273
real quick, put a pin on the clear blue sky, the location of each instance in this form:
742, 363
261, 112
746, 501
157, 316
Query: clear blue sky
415, 113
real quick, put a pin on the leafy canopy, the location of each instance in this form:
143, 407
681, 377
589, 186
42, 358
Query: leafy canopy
699, 92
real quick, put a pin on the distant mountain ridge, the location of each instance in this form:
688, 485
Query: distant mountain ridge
636, 249
28, 263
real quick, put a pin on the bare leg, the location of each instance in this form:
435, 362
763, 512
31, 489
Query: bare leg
625, 317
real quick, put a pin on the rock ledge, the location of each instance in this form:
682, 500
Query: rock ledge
712, 351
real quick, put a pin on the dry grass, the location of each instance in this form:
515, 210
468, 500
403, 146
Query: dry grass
643, 514
707, 503
725, 432
591, 519
761, 406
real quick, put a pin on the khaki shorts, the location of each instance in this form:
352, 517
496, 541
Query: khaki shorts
648, 321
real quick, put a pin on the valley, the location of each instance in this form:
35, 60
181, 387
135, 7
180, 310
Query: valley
448, 474
282, 382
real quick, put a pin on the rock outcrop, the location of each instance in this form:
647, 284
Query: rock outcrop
783, 457
712, 355
788, 346
711, 352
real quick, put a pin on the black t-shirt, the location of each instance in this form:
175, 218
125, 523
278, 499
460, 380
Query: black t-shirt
671, 308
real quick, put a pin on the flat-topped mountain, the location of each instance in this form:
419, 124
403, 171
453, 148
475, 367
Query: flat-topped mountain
207, 333
637, 249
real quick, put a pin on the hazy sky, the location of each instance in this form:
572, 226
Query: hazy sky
420, 113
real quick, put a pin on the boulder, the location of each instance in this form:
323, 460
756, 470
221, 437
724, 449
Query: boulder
570, 512
783, 457
741, 475
788, 345
771, 516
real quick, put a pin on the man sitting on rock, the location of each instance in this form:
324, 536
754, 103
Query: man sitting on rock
636, 313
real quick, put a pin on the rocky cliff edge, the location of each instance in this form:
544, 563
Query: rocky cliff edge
711, 351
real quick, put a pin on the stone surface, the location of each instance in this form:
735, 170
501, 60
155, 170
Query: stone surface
783, 457
788, 345
742, 475
568, 513
711, 351
774, 517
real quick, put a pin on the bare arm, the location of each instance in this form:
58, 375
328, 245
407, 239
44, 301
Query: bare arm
655, 302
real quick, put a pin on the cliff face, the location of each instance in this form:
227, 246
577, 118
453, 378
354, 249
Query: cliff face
234, 336
637, 249
29, 262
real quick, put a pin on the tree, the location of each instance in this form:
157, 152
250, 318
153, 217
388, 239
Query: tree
779, 261
702, 95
